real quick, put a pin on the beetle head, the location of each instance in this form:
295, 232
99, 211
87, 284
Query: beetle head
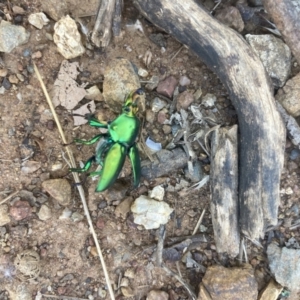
130, 106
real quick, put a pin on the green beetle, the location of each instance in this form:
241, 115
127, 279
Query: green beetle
119, 141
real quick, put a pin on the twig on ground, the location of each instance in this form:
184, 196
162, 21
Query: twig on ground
160, 245
177, 277
177, 52
9, 197
62, 297
77, 181
199, 222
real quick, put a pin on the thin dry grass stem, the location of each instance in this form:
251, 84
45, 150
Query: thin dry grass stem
9, 197
62, 297
77, 181
199, 222
160, 245
177, 277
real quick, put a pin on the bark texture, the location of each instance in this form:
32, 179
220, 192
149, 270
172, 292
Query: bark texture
224, 190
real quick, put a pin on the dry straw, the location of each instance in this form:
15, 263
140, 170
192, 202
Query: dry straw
77, 181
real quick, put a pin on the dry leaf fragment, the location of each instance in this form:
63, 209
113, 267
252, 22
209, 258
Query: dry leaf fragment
67, 92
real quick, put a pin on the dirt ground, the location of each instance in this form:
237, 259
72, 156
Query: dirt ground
68, 264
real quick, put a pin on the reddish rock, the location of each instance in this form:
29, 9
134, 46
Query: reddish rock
61, 290
161, 117
184, 100
100, 223
167, 86
20, 210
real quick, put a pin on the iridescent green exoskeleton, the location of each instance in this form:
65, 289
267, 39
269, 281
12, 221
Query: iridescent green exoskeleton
119, 141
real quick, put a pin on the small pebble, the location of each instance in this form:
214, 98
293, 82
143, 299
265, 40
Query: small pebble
20, 77
102, 204
26, 52
18, 19
18, 10
13, 79
20, 210
6, 249
6, 84
50, 124
37, 54
77, 217
150, 86
66, 214
294, 154
184, 81
157, 104
157, 193
184, 100
143, 73
167, 129
289, 191
161, 117
30, 69
3, 72
167, 86
209, 100
150, 115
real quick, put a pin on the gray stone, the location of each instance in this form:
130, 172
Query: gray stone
184, 81
152, 84
150, 213
274, 54
285, 265
289, 96
157, 104
67, 38
120, 80
12, 36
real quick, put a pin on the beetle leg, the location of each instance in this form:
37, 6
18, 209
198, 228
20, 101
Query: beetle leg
96, 123
92, 140
136, 164
86, 166
96, 173
112, 166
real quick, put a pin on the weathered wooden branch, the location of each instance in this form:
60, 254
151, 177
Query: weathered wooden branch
262, 134
286, 16
102, 31
224, 189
